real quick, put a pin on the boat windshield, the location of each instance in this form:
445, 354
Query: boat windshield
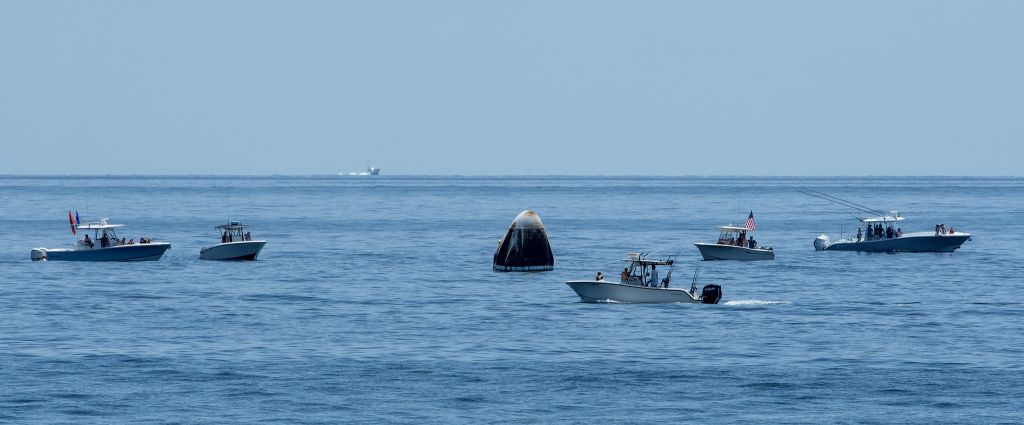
102, 237
643, 272
234, 233
734, 236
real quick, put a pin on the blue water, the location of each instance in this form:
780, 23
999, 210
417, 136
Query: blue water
374, 301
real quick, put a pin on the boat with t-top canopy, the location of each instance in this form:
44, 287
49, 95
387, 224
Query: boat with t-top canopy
883, 233
235, 244
104, 245
735, 243
639, 283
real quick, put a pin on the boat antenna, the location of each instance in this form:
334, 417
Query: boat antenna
228, 197
840, 201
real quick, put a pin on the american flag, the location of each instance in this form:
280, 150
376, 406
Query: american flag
750, 222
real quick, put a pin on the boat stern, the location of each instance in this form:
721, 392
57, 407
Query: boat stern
821, 243
38, 254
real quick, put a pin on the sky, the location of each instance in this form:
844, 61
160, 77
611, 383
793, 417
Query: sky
516, 87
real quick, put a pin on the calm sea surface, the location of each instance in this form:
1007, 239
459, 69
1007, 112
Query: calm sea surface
374, 301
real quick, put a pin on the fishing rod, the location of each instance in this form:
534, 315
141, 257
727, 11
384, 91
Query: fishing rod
672, 267
693, 283
840, 201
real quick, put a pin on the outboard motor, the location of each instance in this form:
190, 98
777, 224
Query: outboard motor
821, 243
38, 254
711, 294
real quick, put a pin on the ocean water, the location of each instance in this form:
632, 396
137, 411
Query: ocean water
374, 302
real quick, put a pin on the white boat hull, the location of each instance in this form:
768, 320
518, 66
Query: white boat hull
136, 252
712, 251
243, 250
910, 242
604, 291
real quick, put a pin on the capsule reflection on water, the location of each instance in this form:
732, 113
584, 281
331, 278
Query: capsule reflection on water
525, 247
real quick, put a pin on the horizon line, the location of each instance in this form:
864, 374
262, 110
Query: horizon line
521, 175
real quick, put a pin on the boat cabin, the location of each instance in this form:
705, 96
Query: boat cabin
733, 235
104, 235
640, 271
880, 227
233, 232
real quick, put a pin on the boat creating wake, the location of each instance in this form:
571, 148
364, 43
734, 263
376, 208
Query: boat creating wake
754, 302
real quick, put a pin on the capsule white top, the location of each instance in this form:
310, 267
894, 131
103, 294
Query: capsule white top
234, 225
528, 220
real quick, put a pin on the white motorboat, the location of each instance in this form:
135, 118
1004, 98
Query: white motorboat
103, 246
882, 233
639, 283
370, 171
735, 244
881, 237
235, 244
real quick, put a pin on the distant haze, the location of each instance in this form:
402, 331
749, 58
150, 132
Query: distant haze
515, 87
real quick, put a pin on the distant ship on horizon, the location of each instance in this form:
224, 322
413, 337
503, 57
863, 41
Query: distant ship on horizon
370, 171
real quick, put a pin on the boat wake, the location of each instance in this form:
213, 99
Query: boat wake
754, 302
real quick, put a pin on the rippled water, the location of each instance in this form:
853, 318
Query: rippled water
374, 301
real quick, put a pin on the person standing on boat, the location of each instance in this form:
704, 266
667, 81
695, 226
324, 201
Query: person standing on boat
860, 234
625, 274
654, 276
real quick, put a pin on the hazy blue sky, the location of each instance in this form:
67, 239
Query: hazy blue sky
515, 87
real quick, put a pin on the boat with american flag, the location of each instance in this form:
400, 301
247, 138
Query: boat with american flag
736, 243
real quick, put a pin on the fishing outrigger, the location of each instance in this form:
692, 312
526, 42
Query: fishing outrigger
883, 234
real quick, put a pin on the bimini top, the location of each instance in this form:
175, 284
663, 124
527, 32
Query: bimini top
100, 225
650, 262
733, 229
234, 225
641, 258
883, 219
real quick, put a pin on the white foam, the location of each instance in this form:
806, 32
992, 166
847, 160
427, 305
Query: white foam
754, 302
